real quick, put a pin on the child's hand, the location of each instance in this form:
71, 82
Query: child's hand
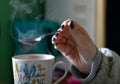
75, 44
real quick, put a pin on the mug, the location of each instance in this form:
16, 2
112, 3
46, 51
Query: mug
35, 69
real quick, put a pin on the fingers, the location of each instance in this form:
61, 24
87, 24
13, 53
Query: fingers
70, 28
73, 32
62, 40
62, 33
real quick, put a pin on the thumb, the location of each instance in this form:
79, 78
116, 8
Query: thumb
77, 32
84, 43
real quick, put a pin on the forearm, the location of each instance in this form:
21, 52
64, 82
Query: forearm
94, 67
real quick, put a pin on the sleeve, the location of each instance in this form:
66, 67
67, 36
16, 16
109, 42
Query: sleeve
104, 70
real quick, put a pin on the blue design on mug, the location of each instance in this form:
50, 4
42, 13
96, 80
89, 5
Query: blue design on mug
34, 75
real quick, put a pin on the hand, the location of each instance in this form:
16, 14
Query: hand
75, 44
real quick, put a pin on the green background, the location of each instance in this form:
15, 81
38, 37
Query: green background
6, 41
6, 44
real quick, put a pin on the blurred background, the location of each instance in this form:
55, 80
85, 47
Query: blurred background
100, 18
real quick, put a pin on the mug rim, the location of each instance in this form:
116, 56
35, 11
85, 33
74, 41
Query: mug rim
26, 57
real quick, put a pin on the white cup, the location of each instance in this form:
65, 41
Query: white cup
35, 69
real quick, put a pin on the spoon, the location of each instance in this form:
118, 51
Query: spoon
32, 41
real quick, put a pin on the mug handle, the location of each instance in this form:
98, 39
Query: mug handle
65, 73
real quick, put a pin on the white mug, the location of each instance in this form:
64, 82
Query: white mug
35, 69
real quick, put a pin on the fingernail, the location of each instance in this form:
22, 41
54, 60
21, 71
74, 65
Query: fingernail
53, 39
62, 26
56, 34
71, 24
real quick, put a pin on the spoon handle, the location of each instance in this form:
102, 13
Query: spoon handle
48, 34
42, 36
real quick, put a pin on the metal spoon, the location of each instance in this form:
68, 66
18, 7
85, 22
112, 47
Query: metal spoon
32, 41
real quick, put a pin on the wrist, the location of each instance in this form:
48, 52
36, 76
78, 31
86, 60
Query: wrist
93, 70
